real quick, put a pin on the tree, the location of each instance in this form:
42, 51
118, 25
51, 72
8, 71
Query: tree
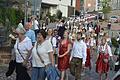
106, 7
9, 16
59, 14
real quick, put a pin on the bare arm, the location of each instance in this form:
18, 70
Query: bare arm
51, 57
68, 50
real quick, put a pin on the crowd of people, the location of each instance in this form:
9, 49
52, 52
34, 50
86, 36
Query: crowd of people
65, 47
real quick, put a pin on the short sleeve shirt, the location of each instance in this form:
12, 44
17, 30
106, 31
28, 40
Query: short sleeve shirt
23, 47
31, 34
43, 50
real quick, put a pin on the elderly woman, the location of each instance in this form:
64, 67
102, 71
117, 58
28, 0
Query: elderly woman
22, 48
42, 58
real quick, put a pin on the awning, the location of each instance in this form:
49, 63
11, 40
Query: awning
47, 5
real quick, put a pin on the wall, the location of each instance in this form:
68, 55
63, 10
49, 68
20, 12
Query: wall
64, 10
77, 7
62, 5
115, 4
4, 55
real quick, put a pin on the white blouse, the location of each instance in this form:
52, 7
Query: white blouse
43, 51
23, 47
103, 48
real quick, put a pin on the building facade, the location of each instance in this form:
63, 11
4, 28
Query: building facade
65, 6
90, 5
115, 4
77, 6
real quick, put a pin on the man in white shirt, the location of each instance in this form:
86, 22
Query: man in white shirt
35, 26
78, 57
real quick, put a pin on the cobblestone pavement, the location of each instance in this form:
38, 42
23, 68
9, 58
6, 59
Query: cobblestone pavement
88, 74
3, 69
91, 74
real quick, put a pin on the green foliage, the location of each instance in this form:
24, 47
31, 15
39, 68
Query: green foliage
9, 18
2, 16
59, 14
48, 14
64, 18
105, 6
115, 42
11, 14
52, 18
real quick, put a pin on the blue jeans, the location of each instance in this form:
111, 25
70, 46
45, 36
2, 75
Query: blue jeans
38, 73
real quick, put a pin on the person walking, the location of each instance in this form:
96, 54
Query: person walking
51, 39
42, 58
88, 58
78, 57
30, 33
35, 25
22, 47
102, 64
64, 54
61, 28
58, 38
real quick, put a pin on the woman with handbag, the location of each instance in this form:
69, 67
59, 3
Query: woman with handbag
43, 59
22, 47
102, 64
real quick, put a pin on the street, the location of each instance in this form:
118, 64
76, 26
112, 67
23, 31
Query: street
89, 75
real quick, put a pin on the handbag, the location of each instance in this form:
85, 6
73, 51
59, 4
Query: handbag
51, 72
11, 68
29, 64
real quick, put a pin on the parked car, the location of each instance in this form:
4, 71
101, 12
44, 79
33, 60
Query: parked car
114, 19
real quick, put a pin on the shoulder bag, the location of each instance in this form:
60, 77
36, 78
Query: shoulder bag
51, 71
28, 65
